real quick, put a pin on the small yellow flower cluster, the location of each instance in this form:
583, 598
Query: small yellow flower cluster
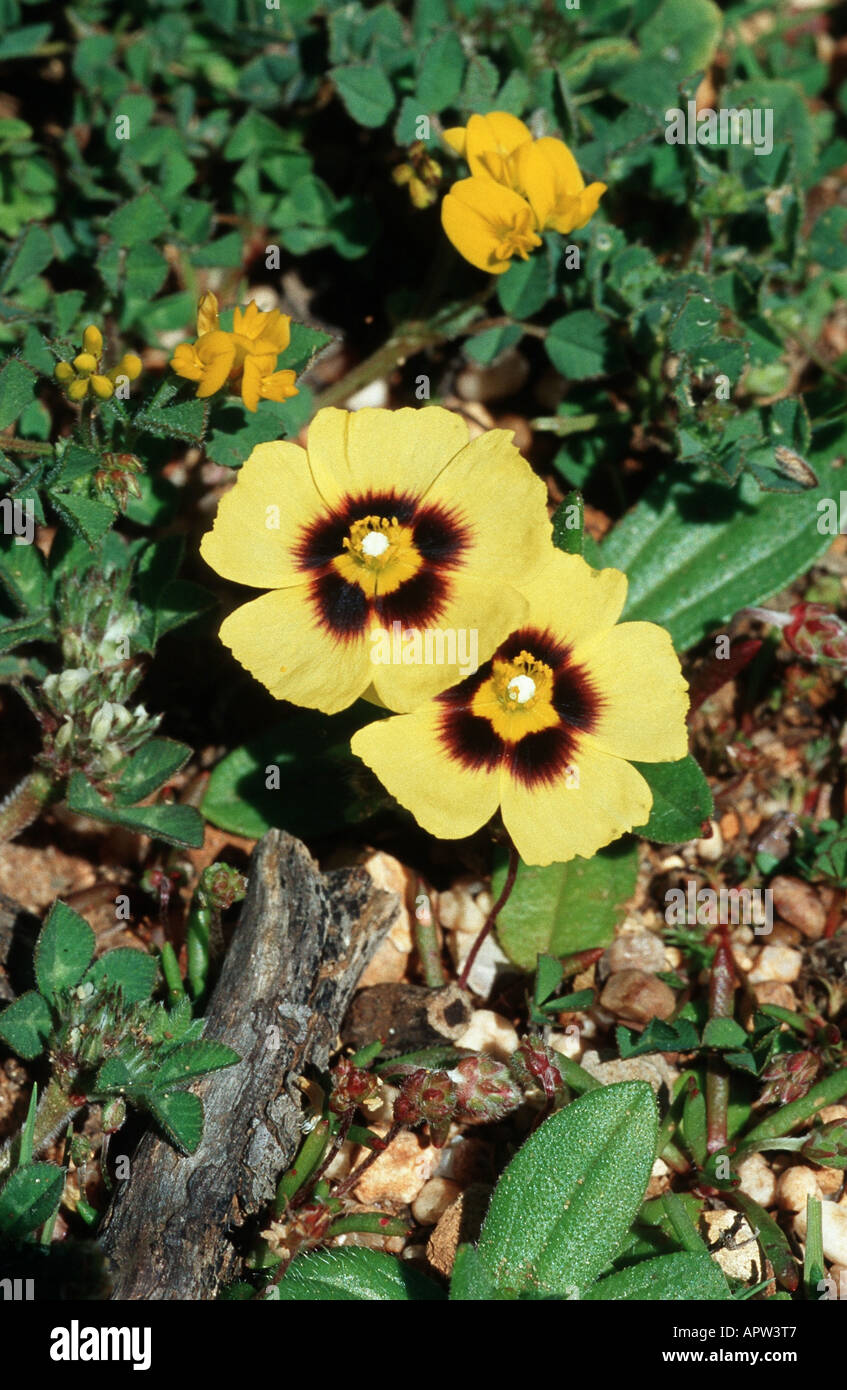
518, 188
246, 357
83, 375
421, 175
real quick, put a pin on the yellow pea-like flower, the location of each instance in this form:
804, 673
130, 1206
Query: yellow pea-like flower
102, 387
489, 224
63, 372
78, 390
550, 180
85, 362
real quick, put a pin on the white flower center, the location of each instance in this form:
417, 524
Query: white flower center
374, 543
521, 688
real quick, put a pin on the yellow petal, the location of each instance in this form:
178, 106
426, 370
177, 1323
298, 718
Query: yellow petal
478, 617
589, 201
277, 638
503, 506
456, 138
251, 382
217, 353
261, 518
406, 753
207, 314
380, 451
248, 322
636, 671
577, 603
561, 161
186, 363
580, 812
482, 217
279, 386
499, 133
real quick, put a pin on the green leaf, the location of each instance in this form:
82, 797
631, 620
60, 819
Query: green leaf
31, 253
772, 1239
193, 1059
142, 219
441, 73
24, 577
669, 1278
176, 825
114, 1075
691, 28
26, 1024
695, 551
681, 801
565, 908
150, 768
29, 1198
569, 524
63, 950
235, 431
305, 345
469, 1280
17, 384
318, 778
180, 1113
564, 1204
526, 286
365, 91
724, 1033
354, 1275
133, 970
485, 347
579, 345
658, 1036
86, 518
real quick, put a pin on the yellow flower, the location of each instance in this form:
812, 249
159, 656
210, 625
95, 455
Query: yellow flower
246, 357
545, 730
488, 224
548, 177
489, 144
209, 361
84, 374
392, 522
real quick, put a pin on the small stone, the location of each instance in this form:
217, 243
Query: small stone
833, 1230
461, 1222
729, 825
391, 959
656, 1070
740, 1257
798, 904
399, 1173
490, 1033
780, 963
829, 1180
641, 950
436, 1195
636, 996
757, 1180
660, 1180
794, 1186
465, 1160
490, 961
709, 850
832, 1112
772, 992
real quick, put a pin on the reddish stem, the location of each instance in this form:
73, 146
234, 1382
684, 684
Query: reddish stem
492, 916
721, 1005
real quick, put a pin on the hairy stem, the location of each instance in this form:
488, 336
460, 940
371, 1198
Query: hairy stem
721, 1005
54, 1110
492, 916
25, 803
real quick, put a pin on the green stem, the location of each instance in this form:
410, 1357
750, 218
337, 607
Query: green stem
429, 948
25, 803
54, 1111
31, 447
827, 1092
170, 970
405, 343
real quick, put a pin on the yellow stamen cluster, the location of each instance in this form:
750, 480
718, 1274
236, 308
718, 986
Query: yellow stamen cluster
84, 376
246, 358
517, 698
519, 187
379, 555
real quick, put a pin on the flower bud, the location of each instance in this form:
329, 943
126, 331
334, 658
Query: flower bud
63, 372
92, 340
101, 724
352, 1087
535, 1067
102, 387
428, 1096
78, 390
484, 1090
84, 362
817, 634
788, 1077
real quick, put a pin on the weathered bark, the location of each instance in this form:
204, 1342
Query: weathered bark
301, 943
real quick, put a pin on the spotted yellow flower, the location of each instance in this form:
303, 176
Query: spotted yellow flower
488, 224
391, 523
246, 357
545, 730
548, 177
